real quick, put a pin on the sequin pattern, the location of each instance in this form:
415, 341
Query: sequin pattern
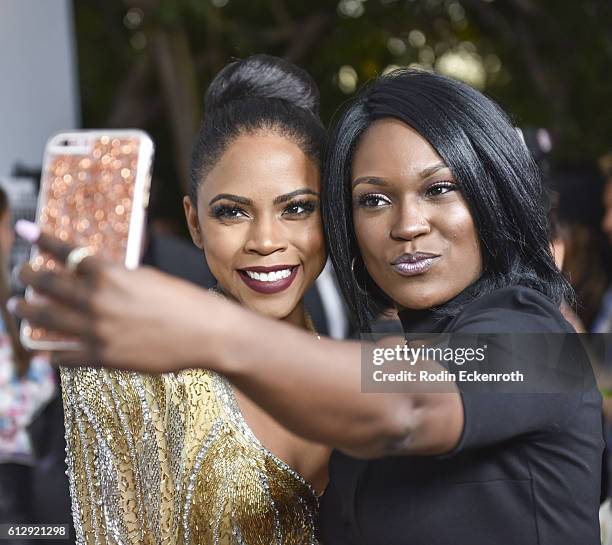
170, 460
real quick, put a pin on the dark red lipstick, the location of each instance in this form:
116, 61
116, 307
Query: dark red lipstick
269, 280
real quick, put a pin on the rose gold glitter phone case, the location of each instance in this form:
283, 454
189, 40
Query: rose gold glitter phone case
94, 192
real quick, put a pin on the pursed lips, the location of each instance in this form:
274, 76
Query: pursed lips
414, 263
413, 257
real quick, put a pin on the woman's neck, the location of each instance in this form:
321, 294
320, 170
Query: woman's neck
297, 317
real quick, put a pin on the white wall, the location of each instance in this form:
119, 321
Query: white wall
38, 78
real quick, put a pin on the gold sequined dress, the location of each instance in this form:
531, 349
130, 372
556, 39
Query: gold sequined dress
169, 459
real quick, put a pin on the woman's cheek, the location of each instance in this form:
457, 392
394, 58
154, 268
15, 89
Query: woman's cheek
370, 235
219, 245
311, 239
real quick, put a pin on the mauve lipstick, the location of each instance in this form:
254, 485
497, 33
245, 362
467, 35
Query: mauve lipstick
414, 263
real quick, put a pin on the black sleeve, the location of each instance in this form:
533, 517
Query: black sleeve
522, 329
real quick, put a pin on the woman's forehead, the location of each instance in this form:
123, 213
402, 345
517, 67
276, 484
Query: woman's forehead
393, 147
261, 167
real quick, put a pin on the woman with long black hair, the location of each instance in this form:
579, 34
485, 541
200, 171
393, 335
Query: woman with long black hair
431, 204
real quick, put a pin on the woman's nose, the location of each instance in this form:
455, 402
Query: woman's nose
265, 237
409, 222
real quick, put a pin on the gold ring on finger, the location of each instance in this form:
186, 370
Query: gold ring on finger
76, 256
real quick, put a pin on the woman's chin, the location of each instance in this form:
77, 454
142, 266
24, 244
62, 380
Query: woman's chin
276, 308
418, 301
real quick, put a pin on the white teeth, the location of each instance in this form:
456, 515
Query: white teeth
269, 277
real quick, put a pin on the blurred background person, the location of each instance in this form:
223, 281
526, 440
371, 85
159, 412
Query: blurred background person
603, 324
24, 391
539, 143
603, 320
587, 255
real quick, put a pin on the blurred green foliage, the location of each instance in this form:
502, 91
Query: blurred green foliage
147, 63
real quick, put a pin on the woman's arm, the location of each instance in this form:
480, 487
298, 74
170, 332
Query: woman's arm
312, 387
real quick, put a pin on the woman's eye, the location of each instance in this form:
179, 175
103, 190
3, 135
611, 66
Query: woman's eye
436, 190
373, 201
299, 208
225, 211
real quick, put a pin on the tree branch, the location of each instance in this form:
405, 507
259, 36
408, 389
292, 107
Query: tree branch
130, 108
179, 91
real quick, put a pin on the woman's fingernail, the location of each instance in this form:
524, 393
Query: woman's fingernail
28, 230
11, 304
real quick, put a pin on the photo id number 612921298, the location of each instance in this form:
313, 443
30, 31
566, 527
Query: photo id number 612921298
34, 531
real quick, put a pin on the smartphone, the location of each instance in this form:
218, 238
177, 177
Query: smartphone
94, 192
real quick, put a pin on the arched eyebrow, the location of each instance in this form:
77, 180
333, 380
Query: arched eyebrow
426, 172
230, 197
288, 196
373, 180
278, 200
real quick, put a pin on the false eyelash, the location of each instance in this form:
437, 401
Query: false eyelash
363, 199
309, 206
222, 210
444, 184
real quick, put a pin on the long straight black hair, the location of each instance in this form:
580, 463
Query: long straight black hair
495, 172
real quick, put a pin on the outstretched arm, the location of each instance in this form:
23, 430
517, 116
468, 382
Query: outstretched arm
145, 320
314, 388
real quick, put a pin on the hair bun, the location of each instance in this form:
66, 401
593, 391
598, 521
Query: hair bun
265, 77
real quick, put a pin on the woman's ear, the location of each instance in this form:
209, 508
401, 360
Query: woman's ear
191, 215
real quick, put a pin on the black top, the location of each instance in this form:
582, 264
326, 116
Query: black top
526, 471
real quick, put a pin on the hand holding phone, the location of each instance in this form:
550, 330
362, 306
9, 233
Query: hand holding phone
94, 192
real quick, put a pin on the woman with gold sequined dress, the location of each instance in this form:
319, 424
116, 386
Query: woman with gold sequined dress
186, 457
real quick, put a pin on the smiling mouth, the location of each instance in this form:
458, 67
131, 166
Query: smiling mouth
269, 280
